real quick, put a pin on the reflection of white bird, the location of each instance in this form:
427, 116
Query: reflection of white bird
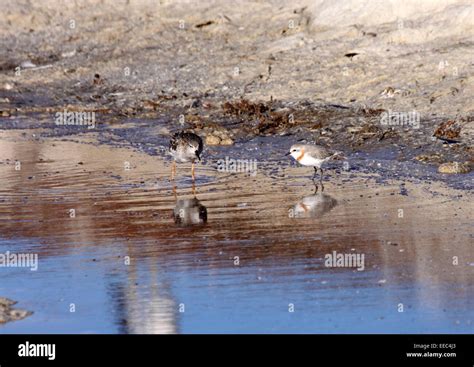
312, 156
314, 206
189, 212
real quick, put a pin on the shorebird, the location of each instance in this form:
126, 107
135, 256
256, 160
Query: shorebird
313, 206
185, 147
188, 212
312, 156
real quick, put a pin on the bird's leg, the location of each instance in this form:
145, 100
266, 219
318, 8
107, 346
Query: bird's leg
194, 189
316, 188
175, 194
192, 170
321, 179
314, 180
315, 172
173, 170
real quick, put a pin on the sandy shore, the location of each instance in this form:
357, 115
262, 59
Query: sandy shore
389, 83
251, 78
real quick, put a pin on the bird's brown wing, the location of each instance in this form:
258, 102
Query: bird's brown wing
318, 152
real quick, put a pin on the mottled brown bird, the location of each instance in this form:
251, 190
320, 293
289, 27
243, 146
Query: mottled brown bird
185, 147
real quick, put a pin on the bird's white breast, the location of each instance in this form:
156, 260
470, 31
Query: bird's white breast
307, 160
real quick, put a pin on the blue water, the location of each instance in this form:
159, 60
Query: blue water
146, 296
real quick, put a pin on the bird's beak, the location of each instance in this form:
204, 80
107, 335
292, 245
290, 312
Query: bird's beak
287, 154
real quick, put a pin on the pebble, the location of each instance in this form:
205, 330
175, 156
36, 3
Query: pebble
454, 168
27, 65
218, 137
8, 314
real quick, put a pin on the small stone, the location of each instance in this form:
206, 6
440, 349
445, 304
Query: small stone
448, 130
68, 54
27, 65
219, 137
227, 141
454, 168
8, 314
212, 140
428, 158
354, 129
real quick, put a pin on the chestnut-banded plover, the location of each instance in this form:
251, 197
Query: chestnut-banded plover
313, 206
185, 147
312, 156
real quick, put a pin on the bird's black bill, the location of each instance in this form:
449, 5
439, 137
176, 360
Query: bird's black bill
288, 153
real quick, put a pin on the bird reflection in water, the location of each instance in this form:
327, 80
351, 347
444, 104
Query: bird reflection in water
313, 206
189, 212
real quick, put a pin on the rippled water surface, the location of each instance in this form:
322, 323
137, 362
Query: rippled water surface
236, 253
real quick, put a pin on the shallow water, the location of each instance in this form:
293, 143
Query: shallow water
237, 255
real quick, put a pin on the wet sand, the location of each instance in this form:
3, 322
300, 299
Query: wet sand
146, 255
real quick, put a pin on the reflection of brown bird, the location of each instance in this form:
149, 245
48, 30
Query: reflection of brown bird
188, 212
314, 206
185, 147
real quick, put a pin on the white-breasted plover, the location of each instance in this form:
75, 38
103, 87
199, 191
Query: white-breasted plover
312, 156
185, 147
313, 206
